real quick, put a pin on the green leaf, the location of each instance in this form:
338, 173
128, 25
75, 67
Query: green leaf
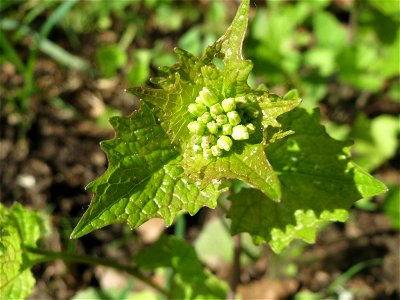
391, 206
189, 280
391, 8
214, 233
357, 66
376, 140
248, 163
222, 70
19, 227
144, 179
319, 183
110, 58
329, 32
141, 69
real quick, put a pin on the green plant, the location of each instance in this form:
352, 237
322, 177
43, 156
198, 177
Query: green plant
176, 154
160, 161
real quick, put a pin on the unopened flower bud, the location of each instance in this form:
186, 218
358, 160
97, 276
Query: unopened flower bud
240, 132
251, 128
212, 127
233, 118
228, 104
240, 101
207, 141
221, 119
216, 151
224, 142
206, 117
227, 129
216, 109
196, 127
207, 97
197, 109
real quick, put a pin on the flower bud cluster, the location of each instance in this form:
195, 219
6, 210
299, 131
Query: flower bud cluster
218, 123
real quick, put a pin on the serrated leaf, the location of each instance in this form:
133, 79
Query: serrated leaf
248, 163
319, 183
226, 78
19, 228
189, 280
144, 179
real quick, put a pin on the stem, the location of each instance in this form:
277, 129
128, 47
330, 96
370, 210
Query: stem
94, 261
235, 268
180, 227
352, 22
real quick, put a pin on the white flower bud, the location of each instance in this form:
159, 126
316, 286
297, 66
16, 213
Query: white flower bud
240, 132
206, 117
228, 104
212, 127
251, 128
227, 129
233, 118
207, 141
216, 109
240, 101
224, 142
216, 151
197, 109
196, 127
221, 119
207, 97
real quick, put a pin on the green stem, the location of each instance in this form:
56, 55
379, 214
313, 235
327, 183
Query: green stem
180, 227
95, 261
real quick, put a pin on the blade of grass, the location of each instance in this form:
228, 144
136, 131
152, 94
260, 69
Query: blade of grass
53, 50
36, 11
10, 52
346, 276
56, 17
62, 56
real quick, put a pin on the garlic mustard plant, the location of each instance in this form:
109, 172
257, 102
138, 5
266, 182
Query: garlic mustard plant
201, 126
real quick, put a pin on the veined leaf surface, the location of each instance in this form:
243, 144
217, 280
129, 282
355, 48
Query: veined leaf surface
19, 227
319, 183
223, 70
144, 179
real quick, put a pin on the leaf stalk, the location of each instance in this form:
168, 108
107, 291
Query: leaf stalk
48, 255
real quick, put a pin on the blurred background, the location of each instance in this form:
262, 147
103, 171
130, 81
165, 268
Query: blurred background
64, 66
